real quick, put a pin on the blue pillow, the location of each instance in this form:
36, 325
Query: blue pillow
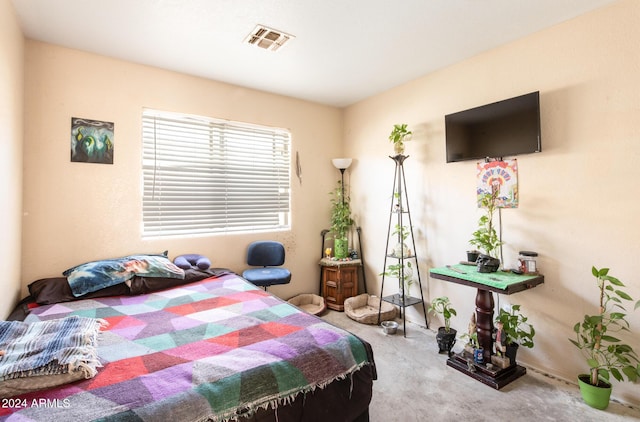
189, 260
96, 275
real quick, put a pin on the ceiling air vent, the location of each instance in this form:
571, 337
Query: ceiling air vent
267, 38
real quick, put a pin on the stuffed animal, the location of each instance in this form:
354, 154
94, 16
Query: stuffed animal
190, 260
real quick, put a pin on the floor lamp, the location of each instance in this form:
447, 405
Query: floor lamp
342, 164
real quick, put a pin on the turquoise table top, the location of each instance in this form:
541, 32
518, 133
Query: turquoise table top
500, 281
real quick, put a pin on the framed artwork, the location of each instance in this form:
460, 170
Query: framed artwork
91, 141
502, 175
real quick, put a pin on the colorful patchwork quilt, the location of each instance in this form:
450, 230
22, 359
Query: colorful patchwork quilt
218, 349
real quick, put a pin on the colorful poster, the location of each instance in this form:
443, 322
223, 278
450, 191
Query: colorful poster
502, 175
91, 141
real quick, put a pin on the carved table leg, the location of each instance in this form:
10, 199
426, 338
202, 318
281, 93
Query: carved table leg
484, 321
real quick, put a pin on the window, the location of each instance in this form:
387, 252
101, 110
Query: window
204, 176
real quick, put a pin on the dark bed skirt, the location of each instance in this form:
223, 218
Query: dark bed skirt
344, 400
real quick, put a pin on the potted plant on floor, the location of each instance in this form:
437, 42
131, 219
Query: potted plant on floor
516, 332
486, 237
596, 338
399, 135
341, 221
446, 336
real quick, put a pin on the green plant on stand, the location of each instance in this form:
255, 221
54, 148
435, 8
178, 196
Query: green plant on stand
399, 135
341, 221
401, 249
404, 276
486, 237
596, 338
518, 331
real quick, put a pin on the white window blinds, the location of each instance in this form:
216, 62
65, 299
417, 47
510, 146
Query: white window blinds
204, 175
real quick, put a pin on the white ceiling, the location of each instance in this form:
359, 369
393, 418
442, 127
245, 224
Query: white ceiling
344, 50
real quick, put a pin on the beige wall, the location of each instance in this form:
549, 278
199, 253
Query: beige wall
11, 104
578, 198
76, 212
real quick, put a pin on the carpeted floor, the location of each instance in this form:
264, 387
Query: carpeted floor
415, 384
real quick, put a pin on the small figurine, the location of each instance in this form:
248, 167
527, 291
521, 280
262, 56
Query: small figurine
470, 366
472, 327
471, 334
500, 339
500, 358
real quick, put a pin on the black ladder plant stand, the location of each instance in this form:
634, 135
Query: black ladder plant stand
400, 209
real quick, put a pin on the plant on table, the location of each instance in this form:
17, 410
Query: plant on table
486, 237
605, 353
341, 220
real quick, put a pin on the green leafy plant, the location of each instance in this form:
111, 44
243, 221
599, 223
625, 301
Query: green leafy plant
595, 336
398, 136
486, 237
399, 133
401, 231
472, 339
401, 249
442, 306
403, 272
516, 327
341, 219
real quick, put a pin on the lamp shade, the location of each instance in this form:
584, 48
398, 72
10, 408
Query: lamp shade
341, 163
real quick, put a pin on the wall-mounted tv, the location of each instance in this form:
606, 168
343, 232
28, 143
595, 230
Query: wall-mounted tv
501, 129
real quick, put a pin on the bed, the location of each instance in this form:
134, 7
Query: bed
211, 347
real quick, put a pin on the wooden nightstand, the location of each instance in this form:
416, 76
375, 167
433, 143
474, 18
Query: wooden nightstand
338, 281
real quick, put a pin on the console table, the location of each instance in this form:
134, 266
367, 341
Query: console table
486, 283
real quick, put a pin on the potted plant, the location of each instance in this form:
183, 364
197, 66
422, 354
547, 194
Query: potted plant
486, 237
446, 336
341, 221
401, 249
404, 273
596, 338
517, 332
398, 136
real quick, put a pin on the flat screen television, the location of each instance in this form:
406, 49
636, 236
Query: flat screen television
501, 129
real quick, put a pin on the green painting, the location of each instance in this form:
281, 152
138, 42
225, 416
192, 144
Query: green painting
91, 141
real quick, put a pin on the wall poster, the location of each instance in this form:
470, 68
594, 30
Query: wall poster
91, 141
504, 176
